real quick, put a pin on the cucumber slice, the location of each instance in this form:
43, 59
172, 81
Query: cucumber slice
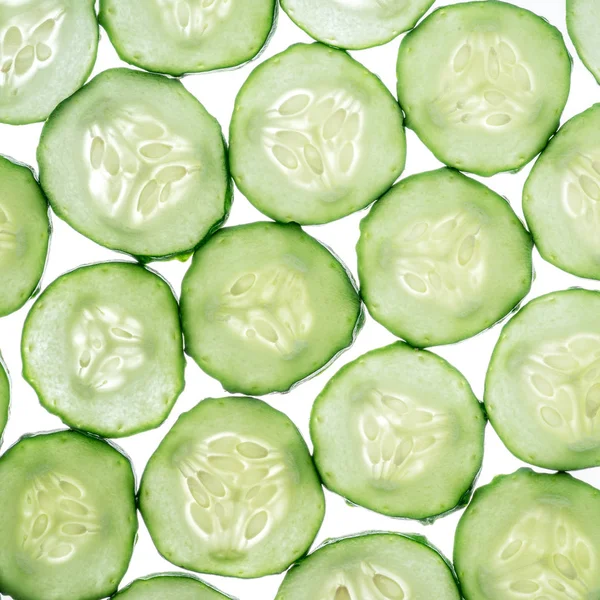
358, 24
315, 136
147, 169
528, 536
483, 84
24, 235
48, 51
102, 347
187, 36
561, 199
4, 397
386, 566
169, 586
542, 390
583, 21
399, 431
429, 262
265, 306
232, 490
67, 517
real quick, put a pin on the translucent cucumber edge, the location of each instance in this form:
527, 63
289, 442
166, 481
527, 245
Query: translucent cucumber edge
262, 573
104, 22
527, 198
510, 311
239, 178
116, 448
97, 432
5, 412
440, 154
380, 42
358, 325
503, 437
175, 575
579, 47
182, 254
81, 82
413, 537
426, 519
36, 288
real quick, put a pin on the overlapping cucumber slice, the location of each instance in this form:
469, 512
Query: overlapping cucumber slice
528, 536
483, 84
232, 490
583, 21
542, 390
169, 586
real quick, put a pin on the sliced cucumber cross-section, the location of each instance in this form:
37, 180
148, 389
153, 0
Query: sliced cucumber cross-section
399, 431
24, 235
528, 536
386, 566
265, 305
561, 199
67, 517
583, 21
542, 390
442, 257
186, 36
4, 397
47, 51
356, 24
232, 490
147, 169
169, 586
102, 347
315, 136
483, 84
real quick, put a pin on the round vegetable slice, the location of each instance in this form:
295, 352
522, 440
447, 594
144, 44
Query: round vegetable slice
24, 235
429, 262
355, 25
542, 390
4, 397
169, 586
186, 36
399, 431
532, 536
147, 169
48, 51
583, 20
102, 347
315, 136
232, 490
67, 517
561, 199
265, 306
483, 84
389, 566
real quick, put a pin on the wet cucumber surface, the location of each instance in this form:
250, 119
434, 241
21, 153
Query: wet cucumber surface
169, 587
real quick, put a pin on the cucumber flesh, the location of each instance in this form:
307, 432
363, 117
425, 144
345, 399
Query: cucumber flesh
48, 51
561, 199
542, 391
356, 24
483, 84
67, 517
386, 566
399, 431
529, 536
265, 306
232, 490
186, 36
102, 347
441, 257
147, 170
24, 235
169, 587
315, 136
4, 397
583, 21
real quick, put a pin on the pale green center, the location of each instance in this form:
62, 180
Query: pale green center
366, 582
194, 18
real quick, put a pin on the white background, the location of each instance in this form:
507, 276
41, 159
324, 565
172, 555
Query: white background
217, 92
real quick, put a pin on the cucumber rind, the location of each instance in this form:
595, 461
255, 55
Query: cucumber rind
66, 416
580, 46
202, 585
4, 397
